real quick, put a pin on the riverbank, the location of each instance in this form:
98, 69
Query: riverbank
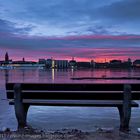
68, 134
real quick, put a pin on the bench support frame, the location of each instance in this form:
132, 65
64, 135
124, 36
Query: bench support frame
125, 109
20, 108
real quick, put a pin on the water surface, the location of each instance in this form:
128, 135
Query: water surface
52, 118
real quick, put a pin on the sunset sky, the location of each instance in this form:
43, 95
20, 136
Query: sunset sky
84, 29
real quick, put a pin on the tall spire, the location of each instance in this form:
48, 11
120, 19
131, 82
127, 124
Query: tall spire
23, 59
6, 57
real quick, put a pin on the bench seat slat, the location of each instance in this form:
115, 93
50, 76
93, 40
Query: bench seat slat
61, 91
66, 86
97, 103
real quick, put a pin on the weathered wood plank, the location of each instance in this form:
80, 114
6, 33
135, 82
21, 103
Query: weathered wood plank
71, 91
125, 111
98, 103
68, 86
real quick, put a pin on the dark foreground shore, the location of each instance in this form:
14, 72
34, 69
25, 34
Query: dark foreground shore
68, 134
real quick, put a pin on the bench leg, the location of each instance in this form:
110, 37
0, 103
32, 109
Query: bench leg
21, 114
20, 108
124, 118
125, 109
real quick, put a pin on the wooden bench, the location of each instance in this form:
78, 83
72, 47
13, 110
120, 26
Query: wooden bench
22, 95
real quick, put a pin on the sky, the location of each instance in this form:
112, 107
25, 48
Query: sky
84, 29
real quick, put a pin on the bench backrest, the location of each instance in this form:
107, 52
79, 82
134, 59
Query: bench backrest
73, 91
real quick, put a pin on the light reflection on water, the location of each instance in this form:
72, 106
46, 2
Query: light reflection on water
61, 75
64, 117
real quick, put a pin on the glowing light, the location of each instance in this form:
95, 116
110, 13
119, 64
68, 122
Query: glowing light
53, 64
53, 74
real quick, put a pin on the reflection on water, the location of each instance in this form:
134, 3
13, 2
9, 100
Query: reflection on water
64, 117
53, 76
63, 75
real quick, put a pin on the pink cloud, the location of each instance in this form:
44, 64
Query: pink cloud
66, 51
80, 54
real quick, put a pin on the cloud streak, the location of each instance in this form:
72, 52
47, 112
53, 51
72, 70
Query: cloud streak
82, 47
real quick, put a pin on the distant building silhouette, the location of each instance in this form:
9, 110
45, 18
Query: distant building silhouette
58, 64
6, 57
114, 62
42, 61
23, 59
72, 63
120, 64
136, 63
61, 64
83, 64
48, 63
92, 64
101, 65
129, 62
